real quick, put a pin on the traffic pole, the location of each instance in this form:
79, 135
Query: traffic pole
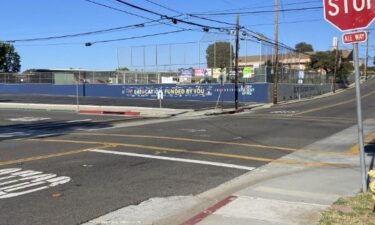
236, 65
359, 119
366, 58
276, 53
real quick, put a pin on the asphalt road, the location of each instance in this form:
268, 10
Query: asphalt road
99, 170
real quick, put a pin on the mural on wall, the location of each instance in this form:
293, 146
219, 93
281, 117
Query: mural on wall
200, 92
247, 89
145, 91
186, 91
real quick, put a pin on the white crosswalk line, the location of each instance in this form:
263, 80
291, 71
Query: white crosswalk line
233, 166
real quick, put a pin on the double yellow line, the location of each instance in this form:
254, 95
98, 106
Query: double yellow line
334, 105
158, 149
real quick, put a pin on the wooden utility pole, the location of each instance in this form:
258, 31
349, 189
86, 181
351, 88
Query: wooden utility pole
276, 52
236, 65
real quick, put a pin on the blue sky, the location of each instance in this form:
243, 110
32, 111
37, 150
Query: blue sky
42, 18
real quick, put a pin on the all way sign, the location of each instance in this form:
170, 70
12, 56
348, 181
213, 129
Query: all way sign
354, 37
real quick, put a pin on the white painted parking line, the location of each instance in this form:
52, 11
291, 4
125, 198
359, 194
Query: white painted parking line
233, 166
29, 119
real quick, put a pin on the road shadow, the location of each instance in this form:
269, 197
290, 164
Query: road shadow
49, 128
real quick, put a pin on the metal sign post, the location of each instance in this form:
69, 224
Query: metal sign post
347, 16
77, 90
359, 119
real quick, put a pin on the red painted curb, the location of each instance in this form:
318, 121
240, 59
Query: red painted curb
200, 216
132, 113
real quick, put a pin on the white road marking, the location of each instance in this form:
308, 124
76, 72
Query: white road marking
19, 182
13, 134
78, 121
29, 119
233, 166
194, 130
283, 112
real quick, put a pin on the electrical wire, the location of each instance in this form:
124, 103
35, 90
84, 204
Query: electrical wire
139, 25
137, 37
258, 7
173, 19
164, 7
257, 12
133, 14
286, 22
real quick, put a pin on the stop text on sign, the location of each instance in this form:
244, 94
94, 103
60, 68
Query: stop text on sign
349, 14
353, 4
356, 37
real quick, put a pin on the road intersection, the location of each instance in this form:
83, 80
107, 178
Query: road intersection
111, 165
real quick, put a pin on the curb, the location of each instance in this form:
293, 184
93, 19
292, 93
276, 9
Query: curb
101, 112
202, 215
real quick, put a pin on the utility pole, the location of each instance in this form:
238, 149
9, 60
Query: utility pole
236, 66
335, 69
366, 59
276, 52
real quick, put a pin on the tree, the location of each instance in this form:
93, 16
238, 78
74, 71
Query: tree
304, 47
222, 55
123, 69
326, 61
10, 61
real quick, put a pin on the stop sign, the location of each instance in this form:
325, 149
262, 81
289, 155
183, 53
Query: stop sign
349, 14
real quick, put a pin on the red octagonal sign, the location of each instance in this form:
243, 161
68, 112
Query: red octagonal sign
349, 14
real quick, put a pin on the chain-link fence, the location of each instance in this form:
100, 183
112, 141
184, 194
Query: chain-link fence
260, 75
209, 60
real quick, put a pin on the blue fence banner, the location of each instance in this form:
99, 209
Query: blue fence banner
202, 92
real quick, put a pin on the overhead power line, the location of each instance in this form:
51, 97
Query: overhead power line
173, 19
117, 9
133, 14
258, 7
164, 7
258, 12
136, 37
212, 20
248, 32
138, 25
285, 22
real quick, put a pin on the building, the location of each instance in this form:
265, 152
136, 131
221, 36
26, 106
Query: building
292, 61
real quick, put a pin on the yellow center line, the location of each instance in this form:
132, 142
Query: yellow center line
270, 147
334, 105
354, 150
40, 157
216, 154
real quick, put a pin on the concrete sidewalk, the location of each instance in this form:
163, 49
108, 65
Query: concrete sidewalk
292, 190
145, 112
295, 194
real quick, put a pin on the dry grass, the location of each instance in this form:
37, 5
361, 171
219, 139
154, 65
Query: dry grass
355, 210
